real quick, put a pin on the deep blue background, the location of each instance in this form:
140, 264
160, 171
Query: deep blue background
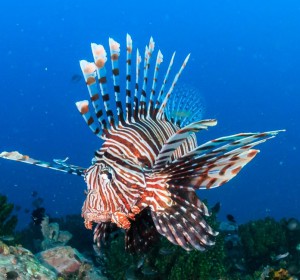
245, 62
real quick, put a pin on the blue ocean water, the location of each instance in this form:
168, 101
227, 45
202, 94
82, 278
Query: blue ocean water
244, 60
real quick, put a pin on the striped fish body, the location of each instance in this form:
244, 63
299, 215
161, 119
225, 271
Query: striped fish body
121, 182
145, 176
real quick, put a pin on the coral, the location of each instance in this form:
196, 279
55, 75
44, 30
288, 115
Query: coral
82, 238
53, 236
19, 263
200, 265
167, 261
262, 239
7, 222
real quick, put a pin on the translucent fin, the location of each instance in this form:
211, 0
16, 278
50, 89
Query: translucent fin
142, 234
59, 165
186, 105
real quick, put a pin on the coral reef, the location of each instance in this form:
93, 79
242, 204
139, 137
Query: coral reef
8, 222
53, 236
166, 261
262, 239
263, 249
19, 263
82, 238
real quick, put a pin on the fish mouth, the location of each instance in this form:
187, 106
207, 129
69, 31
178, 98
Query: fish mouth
92, 217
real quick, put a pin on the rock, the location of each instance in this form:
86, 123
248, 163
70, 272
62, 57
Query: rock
64, 259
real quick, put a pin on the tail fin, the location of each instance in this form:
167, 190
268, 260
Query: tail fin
57, 164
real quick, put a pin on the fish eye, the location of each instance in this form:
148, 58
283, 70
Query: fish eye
109, 176
106, 174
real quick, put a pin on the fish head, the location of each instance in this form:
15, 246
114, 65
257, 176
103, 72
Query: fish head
99, 181
112, 186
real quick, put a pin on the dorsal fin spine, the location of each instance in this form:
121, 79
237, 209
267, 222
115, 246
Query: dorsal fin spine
161, 92
136, 90
159, 60
128, 77
160, 114
148, 53
83, 108
114, 56
100, 58
91, 79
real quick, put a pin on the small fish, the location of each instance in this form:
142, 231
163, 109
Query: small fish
298, 247
149, 162
280, 256
34, 193
7, 238
230, 218
17, 207
76, 78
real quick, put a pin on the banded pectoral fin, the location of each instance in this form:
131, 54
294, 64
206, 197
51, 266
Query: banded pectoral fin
178, 214
57, 164
216, 162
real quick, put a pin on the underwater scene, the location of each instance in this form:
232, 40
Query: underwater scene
150, 140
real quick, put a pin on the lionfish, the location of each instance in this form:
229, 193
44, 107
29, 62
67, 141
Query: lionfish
149, 167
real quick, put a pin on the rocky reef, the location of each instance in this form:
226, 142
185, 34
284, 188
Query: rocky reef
62, 249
